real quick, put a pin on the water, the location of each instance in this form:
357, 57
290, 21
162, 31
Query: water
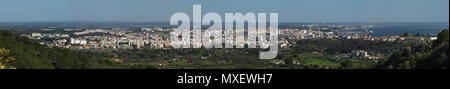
382, 29
388, 29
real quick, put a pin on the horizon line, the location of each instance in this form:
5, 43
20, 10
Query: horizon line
222, 22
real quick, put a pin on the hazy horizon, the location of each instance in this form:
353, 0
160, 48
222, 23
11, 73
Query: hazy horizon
161, 10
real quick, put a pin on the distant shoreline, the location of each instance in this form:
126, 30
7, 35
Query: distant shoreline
2, 22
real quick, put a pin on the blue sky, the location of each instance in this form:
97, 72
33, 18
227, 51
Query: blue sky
289, 10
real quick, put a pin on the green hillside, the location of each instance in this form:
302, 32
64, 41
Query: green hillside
427, 55
31, 55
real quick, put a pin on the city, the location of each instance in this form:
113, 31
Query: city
126, 38
157, 38
115, 34
224, 43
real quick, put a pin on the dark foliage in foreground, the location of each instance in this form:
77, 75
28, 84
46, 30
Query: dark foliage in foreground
32, 55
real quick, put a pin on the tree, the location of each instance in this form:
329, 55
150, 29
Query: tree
5, 59
443, 36
420, 58
28, 54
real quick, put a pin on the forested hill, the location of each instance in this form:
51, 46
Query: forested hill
31, 55
427, 55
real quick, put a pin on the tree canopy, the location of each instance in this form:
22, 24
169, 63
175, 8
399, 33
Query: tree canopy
32, 55
422, 55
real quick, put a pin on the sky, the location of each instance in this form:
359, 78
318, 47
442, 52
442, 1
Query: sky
288, 10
